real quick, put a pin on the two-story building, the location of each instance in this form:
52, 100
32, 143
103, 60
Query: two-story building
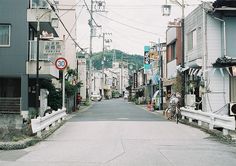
18, 51
210, 55
172, 80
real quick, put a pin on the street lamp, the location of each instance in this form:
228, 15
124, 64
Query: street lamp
182, 5
54, 23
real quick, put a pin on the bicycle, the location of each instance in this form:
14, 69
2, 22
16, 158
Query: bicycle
173, 110
177, 114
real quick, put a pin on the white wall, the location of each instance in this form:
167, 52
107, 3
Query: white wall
218, 83
69, 20
171, 69
82, 76
194, 21
216, 93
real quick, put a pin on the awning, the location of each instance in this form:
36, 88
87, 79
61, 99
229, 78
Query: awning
169, 82
224, 62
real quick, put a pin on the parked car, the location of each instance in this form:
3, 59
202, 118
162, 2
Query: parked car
96, 97
126, 95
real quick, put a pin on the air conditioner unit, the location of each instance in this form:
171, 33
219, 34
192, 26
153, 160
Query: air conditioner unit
232, 109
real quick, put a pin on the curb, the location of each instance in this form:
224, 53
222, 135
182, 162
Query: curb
216, 133
30, 141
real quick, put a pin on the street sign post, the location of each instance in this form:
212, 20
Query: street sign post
61, 64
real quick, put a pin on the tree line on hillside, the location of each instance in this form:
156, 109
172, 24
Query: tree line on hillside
136, 60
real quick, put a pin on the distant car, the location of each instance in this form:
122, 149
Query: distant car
96, 97
126, 96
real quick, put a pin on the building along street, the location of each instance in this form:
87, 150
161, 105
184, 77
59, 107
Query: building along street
118, 133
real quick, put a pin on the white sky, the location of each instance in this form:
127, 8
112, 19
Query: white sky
142, 14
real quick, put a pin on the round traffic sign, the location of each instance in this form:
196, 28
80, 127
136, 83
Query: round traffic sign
61, 63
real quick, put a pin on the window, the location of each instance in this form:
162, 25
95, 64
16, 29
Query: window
192, 40
232, 89
173, 51
4, 35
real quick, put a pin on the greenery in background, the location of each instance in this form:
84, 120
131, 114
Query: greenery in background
97, 59
71, 89
55, 96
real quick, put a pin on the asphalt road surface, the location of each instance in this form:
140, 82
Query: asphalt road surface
118, 133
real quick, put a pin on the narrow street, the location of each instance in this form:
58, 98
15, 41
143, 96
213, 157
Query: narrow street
118, 133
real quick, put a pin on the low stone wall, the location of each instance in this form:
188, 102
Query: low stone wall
10, 125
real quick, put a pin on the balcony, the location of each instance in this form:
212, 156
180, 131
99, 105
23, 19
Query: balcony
41, 12
48, 52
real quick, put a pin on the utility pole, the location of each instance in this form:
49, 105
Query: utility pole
103, 61
182, 62
90, 49
96, 6
161, 74
37, 68
104, 40
122, 65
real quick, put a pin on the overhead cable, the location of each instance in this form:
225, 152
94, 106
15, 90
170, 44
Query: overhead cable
54, 10
130, 26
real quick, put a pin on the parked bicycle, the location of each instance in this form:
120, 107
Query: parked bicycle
173, 110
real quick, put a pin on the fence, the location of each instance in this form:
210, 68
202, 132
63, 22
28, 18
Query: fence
48, 120
10, 105
213, 120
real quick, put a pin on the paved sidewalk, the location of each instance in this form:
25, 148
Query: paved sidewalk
32, 140
230, 138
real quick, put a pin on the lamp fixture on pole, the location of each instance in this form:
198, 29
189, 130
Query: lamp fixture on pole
182, 5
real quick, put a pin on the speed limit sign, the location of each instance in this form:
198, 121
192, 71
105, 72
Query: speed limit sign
61, 63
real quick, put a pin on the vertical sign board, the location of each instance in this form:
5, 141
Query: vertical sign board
146, 59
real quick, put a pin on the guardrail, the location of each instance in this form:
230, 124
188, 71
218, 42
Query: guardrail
10, 105
48, 120
213, 120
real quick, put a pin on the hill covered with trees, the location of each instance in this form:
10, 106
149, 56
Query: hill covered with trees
116, 55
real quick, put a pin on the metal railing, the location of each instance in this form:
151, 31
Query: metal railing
48, 120
213, 120
10, 105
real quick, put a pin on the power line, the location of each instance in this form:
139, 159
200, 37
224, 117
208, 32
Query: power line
90, 13
74, 25
71, 8
133, 20
132, 27
64, 26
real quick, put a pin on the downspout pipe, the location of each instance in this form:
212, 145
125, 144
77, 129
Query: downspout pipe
224, 35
